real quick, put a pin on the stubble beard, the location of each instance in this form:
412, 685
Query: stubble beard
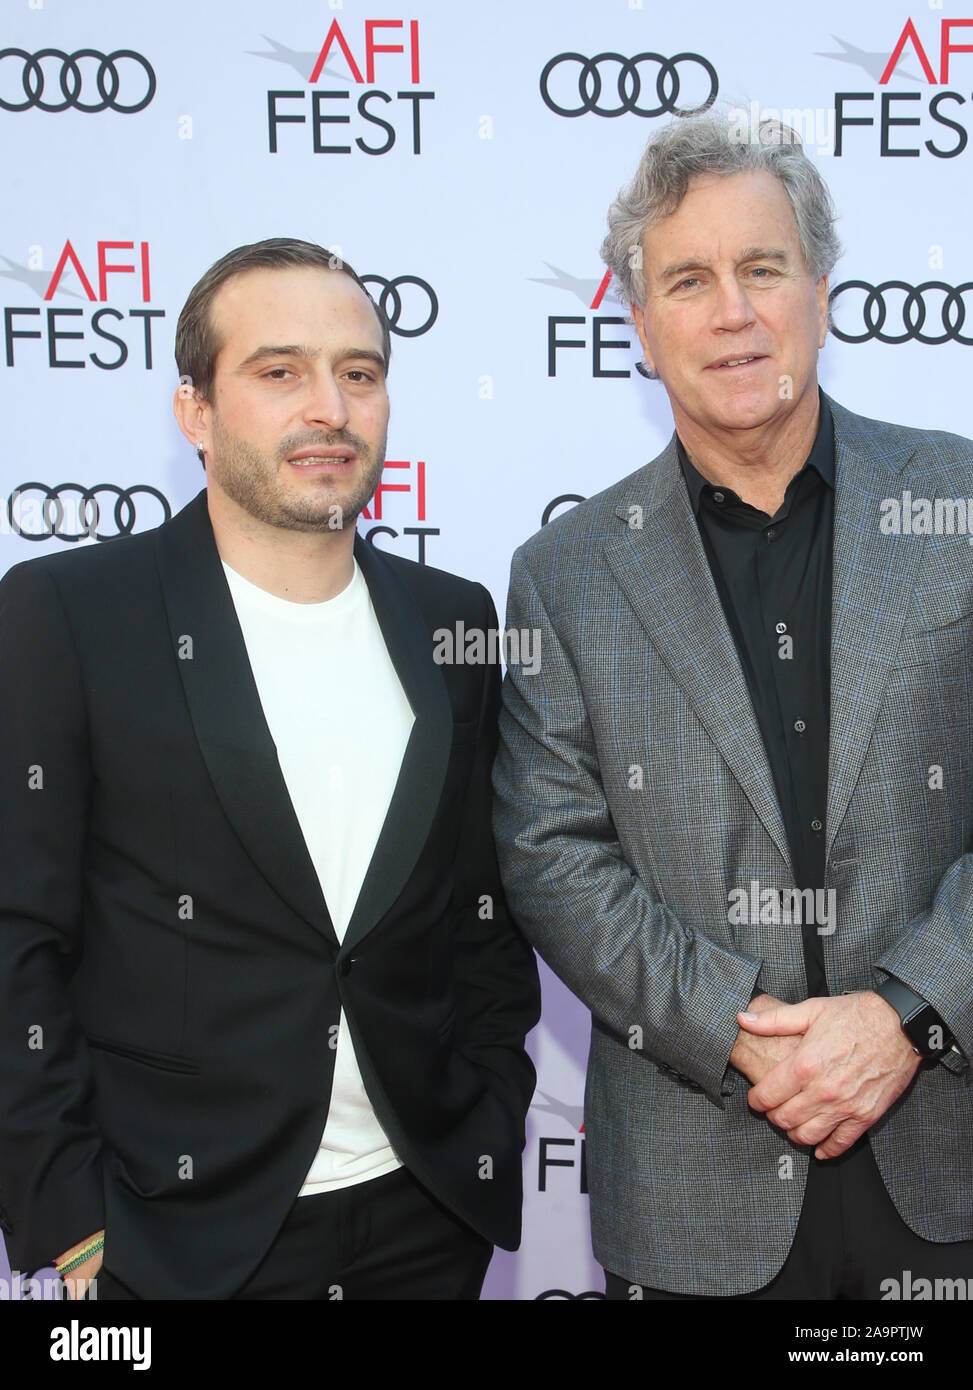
253, 481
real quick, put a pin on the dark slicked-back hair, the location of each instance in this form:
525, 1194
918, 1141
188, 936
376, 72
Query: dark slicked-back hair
197, 344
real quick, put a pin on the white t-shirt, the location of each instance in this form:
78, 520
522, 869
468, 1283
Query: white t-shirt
340, 719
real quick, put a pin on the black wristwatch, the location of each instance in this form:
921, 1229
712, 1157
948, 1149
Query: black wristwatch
920, 1021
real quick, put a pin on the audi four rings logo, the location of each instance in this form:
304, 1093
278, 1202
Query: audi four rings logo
76, 89
42, 504
391, 303
628, 82
911, 312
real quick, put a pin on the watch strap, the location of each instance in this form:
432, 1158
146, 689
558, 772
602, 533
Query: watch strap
916, 1015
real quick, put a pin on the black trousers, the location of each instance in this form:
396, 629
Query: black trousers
386, 1238
849, 1240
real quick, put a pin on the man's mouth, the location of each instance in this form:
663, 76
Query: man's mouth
738, 361
329, 458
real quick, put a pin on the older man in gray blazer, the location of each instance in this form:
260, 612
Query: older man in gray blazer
734, 807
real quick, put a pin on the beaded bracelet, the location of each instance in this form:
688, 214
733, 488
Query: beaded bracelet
82, 1255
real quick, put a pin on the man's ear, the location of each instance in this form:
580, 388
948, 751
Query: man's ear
821, 290
638, 318
192, 413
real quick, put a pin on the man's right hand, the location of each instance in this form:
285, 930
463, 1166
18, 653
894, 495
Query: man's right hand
756, 1061
77, 1281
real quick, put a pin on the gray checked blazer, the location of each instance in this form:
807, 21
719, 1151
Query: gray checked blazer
633, 795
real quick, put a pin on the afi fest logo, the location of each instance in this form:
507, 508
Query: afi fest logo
404, 476
383, 104
908, 122
556, 1153
570, 332
49, 334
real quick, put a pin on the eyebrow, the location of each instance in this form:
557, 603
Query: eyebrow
749, 253
269, 350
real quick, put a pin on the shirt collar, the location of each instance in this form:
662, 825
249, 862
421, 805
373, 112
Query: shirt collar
820, 458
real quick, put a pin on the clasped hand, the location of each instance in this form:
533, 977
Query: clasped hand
825, 1069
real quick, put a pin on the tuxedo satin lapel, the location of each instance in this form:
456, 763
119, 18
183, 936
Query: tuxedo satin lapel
663, 571
423, 770
227, 715
874, 577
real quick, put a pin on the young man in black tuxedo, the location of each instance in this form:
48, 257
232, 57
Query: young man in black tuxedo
262, 1006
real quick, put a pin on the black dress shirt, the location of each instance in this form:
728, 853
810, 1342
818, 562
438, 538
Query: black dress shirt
773, 576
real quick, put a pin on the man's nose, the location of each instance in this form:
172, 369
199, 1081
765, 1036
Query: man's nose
325, 403
733, 309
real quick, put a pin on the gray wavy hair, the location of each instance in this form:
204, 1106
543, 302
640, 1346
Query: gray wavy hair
714, 144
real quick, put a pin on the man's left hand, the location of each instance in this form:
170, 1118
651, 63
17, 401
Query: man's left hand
852, 1063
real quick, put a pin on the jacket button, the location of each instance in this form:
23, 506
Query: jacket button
344, 966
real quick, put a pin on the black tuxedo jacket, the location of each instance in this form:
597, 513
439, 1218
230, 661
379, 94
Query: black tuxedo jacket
170, 979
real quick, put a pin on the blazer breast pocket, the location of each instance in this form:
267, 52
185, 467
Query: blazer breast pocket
935, 646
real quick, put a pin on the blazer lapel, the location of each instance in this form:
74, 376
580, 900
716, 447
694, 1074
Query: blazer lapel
236, 743
423, 771
226, 712
874, 578
663, 571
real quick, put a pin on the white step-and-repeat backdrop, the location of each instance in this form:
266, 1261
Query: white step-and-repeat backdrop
461, 157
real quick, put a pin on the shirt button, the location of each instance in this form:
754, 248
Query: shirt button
770, 533
816, 825
799, 725
719, 497
781, 627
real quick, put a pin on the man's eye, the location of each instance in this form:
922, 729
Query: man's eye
689, 280
275, 373
359, 374
761, 270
